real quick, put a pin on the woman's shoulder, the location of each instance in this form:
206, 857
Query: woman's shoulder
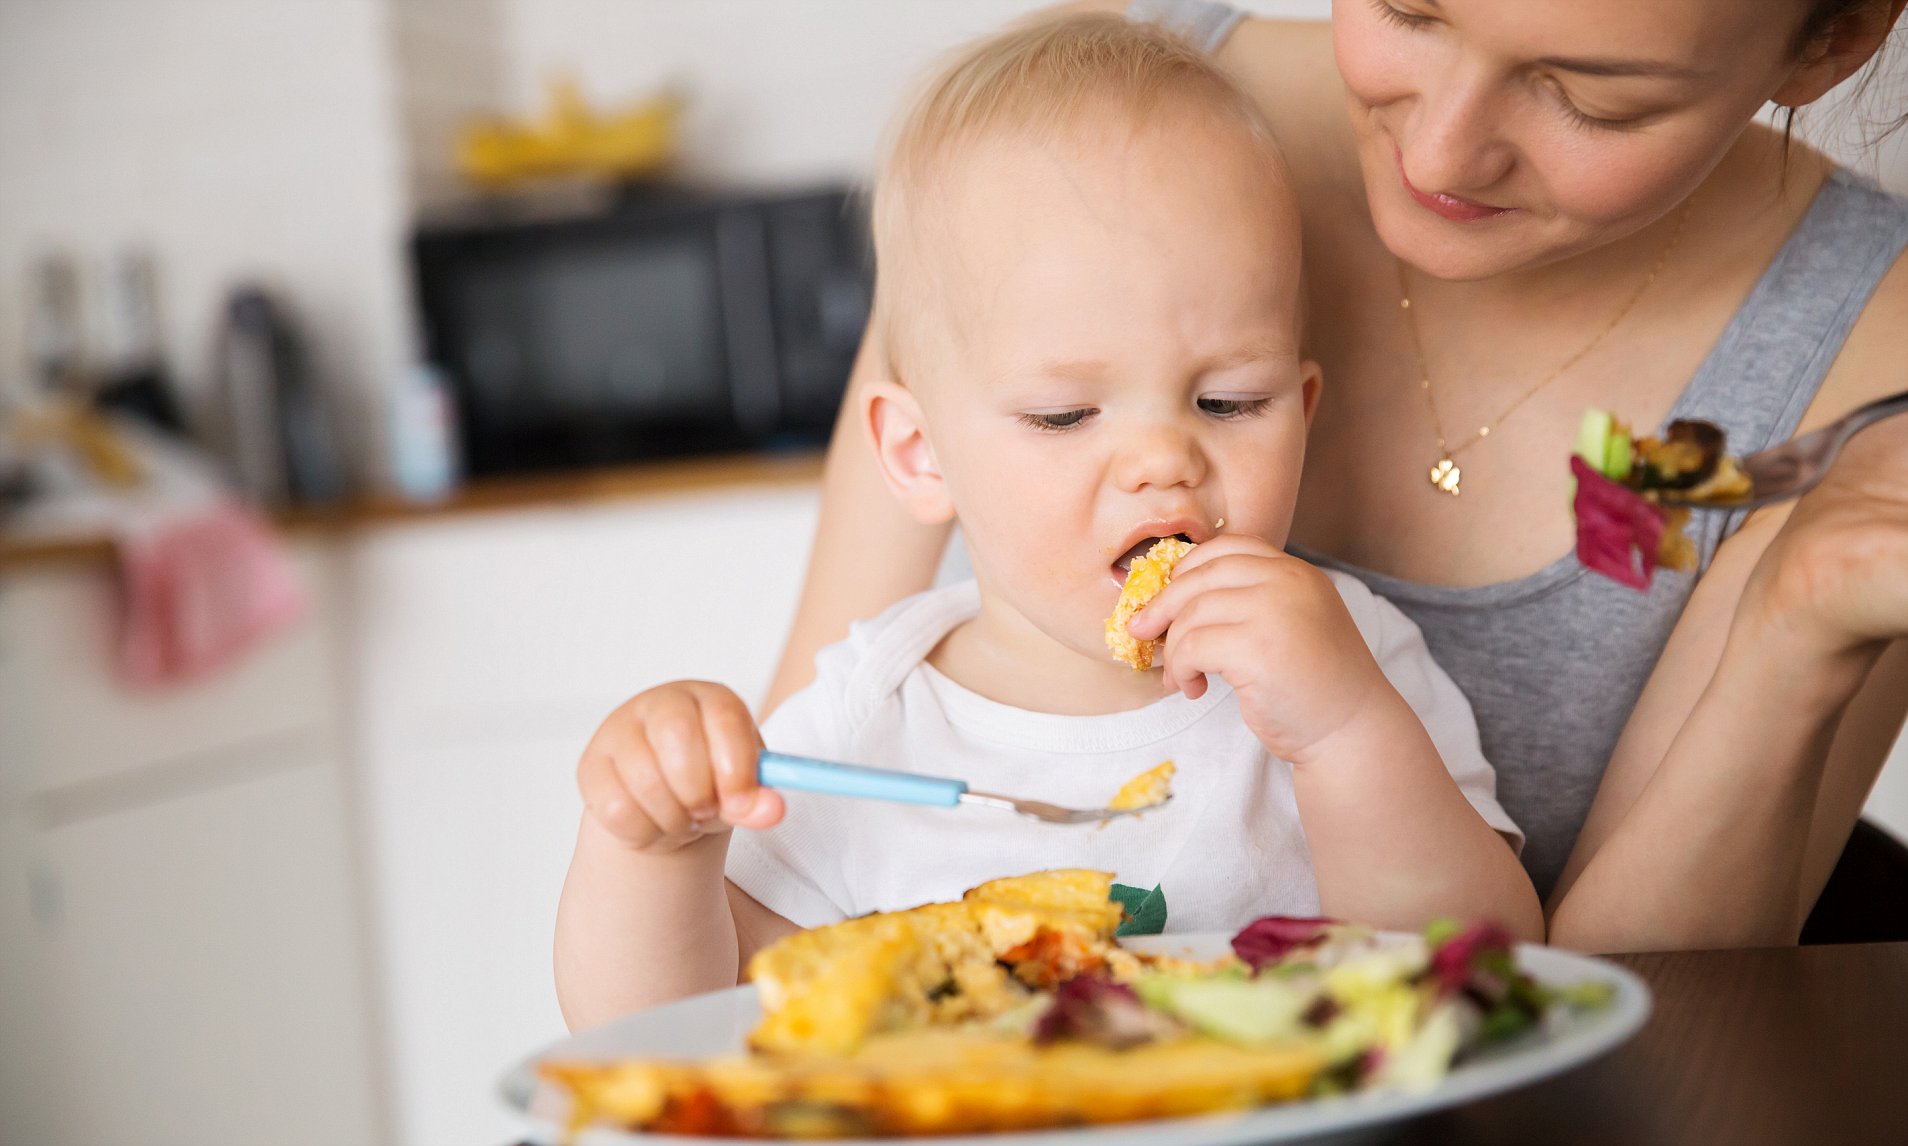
1870, 362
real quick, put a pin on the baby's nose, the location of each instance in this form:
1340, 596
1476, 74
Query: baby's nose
1159, 456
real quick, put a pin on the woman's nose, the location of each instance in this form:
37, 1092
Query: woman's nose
1159, 457
1456, 146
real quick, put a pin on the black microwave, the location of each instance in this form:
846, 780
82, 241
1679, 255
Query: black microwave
672, 323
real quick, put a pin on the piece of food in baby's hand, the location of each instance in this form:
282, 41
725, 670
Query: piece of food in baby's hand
1149, 789
1145, 578
1623, 530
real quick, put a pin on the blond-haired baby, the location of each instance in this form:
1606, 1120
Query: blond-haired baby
1088, 297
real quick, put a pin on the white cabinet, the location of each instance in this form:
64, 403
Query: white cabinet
311, 898
487, 650
64, 698
184, 954
196, 973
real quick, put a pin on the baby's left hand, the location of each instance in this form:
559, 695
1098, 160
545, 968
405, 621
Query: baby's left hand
1278, 632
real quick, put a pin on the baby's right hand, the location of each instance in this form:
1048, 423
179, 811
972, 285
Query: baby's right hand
675, 764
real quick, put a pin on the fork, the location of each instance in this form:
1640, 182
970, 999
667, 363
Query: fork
805, 774
1794, 467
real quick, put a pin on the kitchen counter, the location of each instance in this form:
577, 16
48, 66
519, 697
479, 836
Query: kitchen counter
484, 495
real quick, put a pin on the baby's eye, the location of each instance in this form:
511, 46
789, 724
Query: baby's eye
1234, 407
1065, 419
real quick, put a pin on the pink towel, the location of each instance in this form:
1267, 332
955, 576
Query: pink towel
200, 589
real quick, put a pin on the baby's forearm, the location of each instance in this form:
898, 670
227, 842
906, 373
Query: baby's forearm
637, 929
1393, 840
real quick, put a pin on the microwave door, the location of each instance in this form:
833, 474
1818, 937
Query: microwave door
742, 267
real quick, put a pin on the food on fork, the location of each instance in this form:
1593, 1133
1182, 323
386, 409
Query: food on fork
1145, 578
869, 1030
1149, 789
1623, 531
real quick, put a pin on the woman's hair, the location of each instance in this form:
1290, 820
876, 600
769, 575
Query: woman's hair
1038, 81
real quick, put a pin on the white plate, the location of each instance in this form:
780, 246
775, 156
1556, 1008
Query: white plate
717, 1023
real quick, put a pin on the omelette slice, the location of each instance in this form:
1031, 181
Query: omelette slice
830, 988
936, 1081
1145, 577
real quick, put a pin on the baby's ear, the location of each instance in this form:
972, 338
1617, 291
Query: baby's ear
898, 432
1311, 381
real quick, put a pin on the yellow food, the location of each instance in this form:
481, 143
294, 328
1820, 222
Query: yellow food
891, 1024
937, 1081
1146, 790
572, 139
828, 989
1145, 578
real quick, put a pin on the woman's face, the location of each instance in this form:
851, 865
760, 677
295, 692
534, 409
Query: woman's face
1501, 134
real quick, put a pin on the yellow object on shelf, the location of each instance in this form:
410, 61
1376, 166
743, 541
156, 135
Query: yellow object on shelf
572, 139
101, 449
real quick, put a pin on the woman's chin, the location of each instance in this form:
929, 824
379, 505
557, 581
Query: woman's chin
1457, 251
1442, 250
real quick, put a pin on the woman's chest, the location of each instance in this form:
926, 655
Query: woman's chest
1440, 451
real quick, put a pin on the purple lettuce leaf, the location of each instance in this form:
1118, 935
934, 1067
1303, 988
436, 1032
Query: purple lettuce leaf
1270, 938
1618, 531
1094, 1009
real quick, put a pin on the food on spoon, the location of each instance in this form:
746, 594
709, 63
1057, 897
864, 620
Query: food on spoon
1149, 789
1623, 531
1145, 578
1305, 1006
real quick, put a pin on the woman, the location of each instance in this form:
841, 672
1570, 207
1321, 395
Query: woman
1515, 211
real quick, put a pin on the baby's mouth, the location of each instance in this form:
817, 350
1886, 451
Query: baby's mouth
1125, 560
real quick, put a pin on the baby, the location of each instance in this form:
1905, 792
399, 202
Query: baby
1088, 294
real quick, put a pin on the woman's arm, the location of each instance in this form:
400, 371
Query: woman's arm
1759, 734
868, 553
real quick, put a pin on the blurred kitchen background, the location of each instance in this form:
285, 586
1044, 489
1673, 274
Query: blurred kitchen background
521, 322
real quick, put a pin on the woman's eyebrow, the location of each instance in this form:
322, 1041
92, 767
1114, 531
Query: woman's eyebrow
1656, 69
1652, 68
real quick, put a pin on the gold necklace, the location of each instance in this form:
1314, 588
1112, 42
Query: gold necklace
1445, 474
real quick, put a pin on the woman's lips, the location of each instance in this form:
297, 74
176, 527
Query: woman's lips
1451, 207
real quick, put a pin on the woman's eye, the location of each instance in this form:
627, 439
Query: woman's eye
1581, 118
1234, 407
1066, 419
1399, 16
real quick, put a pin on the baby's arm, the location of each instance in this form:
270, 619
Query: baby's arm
1394, 840
646, 915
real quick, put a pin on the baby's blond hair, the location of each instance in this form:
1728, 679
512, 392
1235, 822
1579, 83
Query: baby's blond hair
1035, 81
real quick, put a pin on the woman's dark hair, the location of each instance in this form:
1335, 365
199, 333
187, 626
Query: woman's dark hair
1822, 17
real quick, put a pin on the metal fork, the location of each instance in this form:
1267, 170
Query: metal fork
1795, 466
805, 774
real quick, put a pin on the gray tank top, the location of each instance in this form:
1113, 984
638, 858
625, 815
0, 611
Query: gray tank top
1554, 662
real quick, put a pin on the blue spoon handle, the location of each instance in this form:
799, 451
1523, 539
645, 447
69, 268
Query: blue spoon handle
802, 774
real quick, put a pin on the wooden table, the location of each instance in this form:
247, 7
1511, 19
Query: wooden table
1778, 1045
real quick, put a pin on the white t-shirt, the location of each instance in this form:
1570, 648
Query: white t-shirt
1227, 849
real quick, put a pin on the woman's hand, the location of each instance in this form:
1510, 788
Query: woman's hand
1278, 632
675, 764
1834, 581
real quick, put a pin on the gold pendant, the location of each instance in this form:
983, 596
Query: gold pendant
1446, 475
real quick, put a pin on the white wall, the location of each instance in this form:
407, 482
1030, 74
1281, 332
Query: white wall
793, 90
234, 139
